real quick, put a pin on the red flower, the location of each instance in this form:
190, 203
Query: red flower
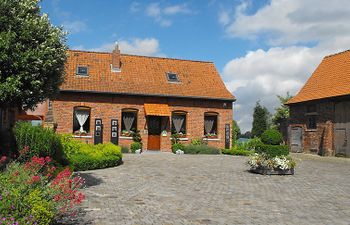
3, 159
35, 179
47, 159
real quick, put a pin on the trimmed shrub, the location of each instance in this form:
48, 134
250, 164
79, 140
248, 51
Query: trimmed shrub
236, 151
201, 149
125, 149
83, 156
272, 137
41, 141
273, 150
135, 146
176, 147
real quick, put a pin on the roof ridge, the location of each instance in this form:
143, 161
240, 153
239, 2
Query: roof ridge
157, 57
337, 53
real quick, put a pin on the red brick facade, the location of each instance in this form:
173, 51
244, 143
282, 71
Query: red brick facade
107, 107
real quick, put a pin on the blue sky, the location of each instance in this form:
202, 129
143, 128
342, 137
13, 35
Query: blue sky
261, 48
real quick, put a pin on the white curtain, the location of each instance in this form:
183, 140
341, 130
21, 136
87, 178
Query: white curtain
128, 120
178, 122
82, 116
208, 124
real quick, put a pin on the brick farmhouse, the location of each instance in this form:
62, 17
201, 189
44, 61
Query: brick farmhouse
320, 112
109, 96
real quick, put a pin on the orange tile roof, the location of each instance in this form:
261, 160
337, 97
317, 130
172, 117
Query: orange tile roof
330, 79
143, 75
157, 109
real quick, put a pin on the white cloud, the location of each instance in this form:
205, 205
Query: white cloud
291, 22
137, 46
74, 27
284, 67
161, 15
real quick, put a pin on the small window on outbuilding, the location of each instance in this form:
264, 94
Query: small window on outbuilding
311, 122
82, 71
172, 77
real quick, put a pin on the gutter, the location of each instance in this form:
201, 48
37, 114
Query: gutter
147, 95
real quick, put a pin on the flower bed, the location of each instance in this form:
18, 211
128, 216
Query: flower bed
36, 192
263, 164
271, 158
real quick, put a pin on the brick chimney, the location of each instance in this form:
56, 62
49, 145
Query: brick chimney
116, 63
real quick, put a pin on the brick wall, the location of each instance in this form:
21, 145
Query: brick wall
319, 140
109, 107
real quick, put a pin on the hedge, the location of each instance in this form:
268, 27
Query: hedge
40, 141
272, 150
177, 146
237, 151
201, 149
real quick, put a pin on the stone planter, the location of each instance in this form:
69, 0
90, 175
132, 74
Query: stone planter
266, 171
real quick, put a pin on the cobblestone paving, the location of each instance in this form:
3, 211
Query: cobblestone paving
205, 189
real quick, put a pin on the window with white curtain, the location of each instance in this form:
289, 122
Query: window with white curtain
81, 120
178, 123
129, 122
210, 124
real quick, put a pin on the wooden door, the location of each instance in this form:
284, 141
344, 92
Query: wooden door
296, 139
342, 129
154, 130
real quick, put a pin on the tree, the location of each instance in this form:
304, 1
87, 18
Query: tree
32, 54
260, 120
281, 115
236, 132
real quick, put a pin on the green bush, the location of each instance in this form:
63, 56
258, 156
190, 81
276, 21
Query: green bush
237, 151
272, 137
273, 150
83, 156
41, 141
201, 149
176, 147
197, 141
125, 149
135, 146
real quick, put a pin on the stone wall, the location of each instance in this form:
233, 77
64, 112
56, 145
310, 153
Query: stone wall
109, 107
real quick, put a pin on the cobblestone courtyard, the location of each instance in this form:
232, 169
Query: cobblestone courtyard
217, 189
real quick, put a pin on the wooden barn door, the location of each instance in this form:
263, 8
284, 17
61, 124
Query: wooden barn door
296, 144
342, 129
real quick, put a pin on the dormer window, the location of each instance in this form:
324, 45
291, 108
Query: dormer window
82, 71
172, 77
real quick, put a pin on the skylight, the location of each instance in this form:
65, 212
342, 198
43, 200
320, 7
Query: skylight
82, 71
172, 77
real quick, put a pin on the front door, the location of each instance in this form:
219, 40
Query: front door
154, 130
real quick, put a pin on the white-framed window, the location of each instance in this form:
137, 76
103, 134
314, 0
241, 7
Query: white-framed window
178, 122
129, 122
81, 120
211, 124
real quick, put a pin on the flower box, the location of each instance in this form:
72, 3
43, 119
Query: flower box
268, 171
